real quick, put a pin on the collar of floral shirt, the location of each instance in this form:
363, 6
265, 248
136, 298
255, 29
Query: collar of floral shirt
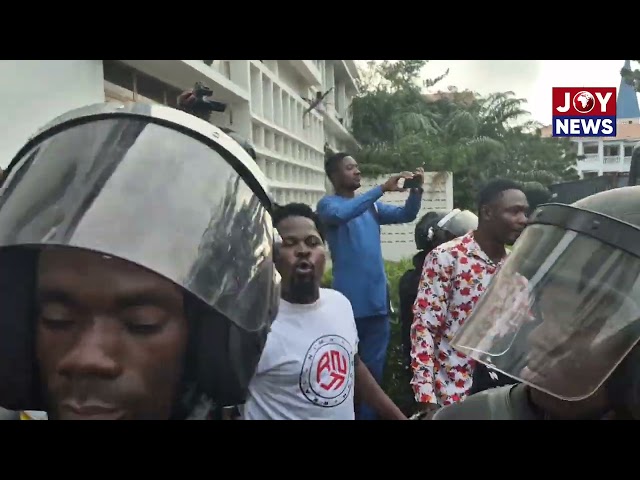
475, 250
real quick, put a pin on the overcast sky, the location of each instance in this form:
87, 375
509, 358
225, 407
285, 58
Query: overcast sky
529, 79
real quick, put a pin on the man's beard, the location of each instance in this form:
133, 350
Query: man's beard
303, 289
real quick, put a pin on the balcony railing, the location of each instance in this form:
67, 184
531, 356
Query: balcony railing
590, 158
595, 158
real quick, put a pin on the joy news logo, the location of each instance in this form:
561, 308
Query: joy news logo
584, 112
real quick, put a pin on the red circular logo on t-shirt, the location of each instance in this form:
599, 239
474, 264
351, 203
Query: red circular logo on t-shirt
327, 372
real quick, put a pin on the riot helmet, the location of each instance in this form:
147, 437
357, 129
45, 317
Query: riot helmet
157, 189
563, 312
243, 142
423, 233
436, 228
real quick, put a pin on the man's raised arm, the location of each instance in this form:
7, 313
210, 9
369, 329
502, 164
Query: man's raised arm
333, 210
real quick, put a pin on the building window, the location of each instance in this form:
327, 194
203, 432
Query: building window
590, 174
590, 148
611, 150
138, 86
119, 74
628, 149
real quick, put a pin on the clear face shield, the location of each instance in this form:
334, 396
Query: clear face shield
455, 224
563, 311
460, 223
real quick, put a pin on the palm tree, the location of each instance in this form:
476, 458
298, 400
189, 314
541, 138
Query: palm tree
476, 137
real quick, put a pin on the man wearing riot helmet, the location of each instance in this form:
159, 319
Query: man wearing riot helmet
136, 270
574, 342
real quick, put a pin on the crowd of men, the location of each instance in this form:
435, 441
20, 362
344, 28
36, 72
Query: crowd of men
145, 273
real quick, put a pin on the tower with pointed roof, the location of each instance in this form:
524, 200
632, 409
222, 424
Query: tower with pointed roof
627, 107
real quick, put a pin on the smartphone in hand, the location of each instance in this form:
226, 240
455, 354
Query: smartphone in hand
411, 183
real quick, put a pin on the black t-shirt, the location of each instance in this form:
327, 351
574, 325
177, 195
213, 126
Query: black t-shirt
407, 292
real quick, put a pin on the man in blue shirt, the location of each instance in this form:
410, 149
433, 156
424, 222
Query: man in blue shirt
353, 233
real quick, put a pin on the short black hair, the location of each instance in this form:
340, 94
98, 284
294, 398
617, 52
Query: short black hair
332, 162
296, 210
494, 189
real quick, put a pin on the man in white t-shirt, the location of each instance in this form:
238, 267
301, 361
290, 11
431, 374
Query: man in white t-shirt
310, 369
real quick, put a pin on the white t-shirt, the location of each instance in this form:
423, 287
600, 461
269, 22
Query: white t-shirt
306, 371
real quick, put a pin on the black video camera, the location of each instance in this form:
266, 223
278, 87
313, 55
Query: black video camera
204, 103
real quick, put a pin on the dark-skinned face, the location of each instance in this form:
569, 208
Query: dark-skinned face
301, 258
111, 337
347, 175
506, 217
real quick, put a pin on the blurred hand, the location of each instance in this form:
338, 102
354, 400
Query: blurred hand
391, 185
186, 99
419, 173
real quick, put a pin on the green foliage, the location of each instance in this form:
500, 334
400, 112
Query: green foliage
474, 137
326, 279
396, 378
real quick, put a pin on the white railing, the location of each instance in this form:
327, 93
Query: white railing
591, 158
609, 163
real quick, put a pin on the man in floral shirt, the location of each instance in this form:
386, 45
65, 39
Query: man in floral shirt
454, 276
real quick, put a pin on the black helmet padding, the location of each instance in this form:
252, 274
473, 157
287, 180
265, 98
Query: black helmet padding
18, 379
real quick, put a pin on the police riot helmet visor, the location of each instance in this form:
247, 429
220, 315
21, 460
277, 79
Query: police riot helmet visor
563, 311
459, 223
155, 196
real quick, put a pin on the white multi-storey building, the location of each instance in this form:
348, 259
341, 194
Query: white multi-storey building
610, 156
266, 102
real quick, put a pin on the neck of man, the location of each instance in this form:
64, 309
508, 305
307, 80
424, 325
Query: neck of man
492, 247
344, 192
302, 296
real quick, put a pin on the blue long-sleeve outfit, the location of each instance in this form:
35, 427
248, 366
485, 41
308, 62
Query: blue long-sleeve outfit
353, 234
